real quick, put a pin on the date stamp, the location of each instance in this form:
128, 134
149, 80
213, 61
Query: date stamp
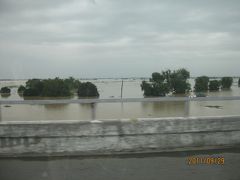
207, 160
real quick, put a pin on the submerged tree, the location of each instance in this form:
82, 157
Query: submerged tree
179, 81
201, 84
33, 87
21, 89
72, 83
147, 88
58, 88
48, 87
5, 90
55, 87
162, 83
158, 85
226, 82
87, 89
214, 85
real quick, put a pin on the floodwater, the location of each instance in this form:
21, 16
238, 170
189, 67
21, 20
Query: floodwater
111, 88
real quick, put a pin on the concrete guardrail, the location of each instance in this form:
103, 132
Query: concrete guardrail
126, 136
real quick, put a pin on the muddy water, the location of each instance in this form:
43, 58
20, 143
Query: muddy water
110, 88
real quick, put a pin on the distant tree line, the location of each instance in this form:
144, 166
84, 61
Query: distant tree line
160, 84
203, 84
176, 81
58, 88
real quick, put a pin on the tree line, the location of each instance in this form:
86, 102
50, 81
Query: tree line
160, 84
176, 82
58, 88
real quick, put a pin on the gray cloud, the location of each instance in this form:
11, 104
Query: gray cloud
108, 38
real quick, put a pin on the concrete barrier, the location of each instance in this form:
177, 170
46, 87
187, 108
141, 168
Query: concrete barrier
107, 137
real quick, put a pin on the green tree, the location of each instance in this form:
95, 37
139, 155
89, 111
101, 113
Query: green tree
55, 88
158, 85
21, 89
34, 87
201, 84
147, 88
162, 83
49, 87
226, 82
87, 89
5, 90
157, 77
160, 89
72, 83
31, 92
214, 85
179, 81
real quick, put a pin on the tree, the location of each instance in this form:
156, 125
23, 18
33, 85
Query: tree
49, 87
55, 88
214, 85
178, 81
147, 88
160, 89
239, 82
21, 89
72, 83
31, 92
34, 87
201, 84
158, 85
87, 89
5, 90
226, 82
157, 77
162, 83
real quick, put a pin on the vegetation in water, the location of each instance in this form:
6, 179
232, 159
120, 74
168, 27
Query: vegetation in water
201, 84
21, 89
56, 88
162, 83
87, 89
5, 90
226, 82
179, 81
214, 85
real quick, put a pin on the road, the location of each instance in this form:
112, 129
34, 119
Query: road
169, 166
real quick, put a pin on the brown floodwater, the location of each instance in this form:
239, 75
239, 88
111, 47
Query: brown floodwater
110, 88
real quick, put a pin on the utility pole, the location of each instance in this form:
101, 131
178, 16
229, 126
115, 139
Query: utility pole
122, 89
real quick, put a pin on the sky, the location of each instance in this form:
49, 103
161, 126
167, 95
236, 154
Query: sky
118, 38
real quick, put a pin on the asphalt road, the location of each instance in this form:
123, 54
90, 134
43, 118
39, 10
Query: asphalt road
161, 166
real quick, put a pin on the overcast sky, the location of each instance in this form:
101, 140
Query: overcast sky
118, 38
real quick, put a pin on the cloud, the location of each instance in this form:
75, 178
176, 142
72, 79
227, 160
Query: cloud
97, 38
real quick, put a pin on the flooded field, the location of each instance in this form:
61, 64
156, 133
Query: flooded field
111, 88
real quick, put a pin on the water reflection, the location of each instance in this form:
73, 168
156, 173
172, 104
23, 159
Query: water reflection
163, 109
5, 95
